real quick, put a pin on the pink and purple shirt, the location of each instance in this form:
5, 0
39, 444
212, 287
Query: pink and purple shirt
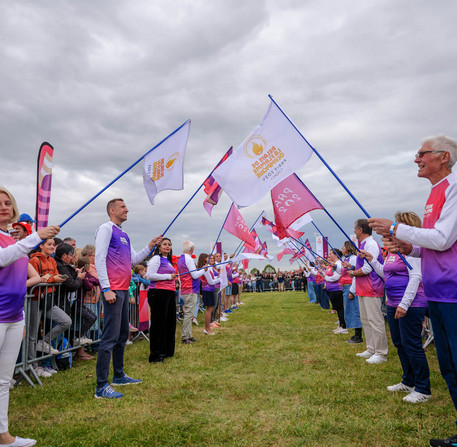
159, 273
370, 284
13, 276
114, 257
190, 282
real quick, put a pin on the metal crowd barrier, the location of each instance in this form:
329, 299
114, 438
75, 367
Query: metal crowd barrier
47, 308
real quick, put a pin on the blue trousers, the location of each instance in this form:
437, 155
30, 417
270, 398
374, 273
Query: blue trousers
444, 318
311, 292
322, 296
115, 334
406, 337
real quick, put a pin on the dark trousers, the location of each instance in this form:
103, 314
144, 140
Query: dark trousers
336, 298
115, 334
406, 337
163, 324
444, 317
322, 297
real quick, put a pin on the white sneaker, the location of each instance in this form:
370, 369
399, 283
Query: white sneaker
128, 342
22, 442
241, 303
12, 384
415, 397
42, 346
335, 331
82, 341
340, 330
364, 354
50, 370
194, 320
400, 387
224, 319
375, 359
40, 372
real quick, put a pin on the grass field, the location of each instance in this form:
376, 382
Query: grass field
274, 375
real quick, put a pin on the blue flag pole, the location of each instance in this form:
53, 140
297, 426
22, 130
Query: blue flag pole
120, 175
193, 195
332, 172
300, 250
326, 239
187, 203
303, 245
310, 249
219, 235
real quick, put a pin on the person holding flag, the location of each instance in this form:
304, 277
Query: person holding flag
190, 288
114, 258
436, 244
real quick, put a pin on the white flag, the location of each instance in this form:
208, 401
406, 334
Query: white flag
272, 152
163, 167
301, 222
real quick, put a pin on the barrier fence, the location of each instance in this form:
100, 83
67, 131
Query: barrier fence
59, 322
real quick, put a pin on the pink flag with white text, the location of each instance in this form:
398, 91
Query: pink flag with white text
236, 225
291, 200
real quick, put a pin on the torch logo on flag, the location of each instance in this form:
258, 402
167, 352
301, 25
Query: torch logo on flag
254, 146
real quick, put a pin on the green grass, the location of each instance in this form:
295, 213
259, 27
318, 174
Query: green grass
274, 375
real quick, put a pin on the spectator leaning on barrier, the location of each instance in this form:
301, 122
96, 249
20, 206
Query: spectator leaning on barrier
14, 269
114, 257
436, 244
43, 262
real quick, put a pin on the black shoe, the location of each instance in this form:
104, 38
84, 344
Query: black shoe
187, 342
452, 441
155, 360
354, 340
192, 339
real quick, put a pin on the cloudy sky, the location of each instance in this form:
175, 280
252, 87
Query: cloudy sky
103, 82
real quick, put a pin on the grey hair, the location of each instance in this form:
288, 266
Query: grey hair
445, 144
88, 250
187, 246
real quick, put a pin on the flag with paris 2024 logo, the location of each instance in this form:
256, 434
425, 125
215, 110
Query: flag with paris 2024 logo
273, 151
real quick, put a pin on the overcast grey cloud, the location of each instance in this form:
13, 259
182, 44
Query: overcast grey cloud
103, 82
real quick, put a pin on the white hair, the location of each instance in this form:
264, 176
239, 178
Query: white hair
445, 144
187, 246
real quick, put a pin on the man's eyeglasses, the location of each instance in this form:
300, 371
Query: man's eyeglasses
420, 154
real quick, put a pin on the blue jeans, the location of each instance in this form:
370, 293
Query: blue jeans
351, 309
406, 337
322, 296
115, 334
311, 292
444, 317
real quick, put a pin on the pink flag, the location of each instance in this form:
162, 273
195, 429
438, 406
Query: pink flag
235, 225
286, 251
291, 199
245, 263
44, 179
284, 232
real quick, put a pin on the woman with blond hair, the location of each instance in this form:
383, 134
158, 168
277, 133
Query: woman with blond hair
14, 269
406, 306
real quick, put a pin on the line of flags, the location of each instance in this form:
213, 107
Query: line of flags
266, 161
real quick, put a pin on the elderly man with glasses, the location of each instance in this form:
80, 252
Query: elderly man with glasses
436, 244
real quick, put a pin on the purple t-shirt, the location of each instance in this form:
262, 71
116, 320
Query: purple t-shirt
396, 279
12, 286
